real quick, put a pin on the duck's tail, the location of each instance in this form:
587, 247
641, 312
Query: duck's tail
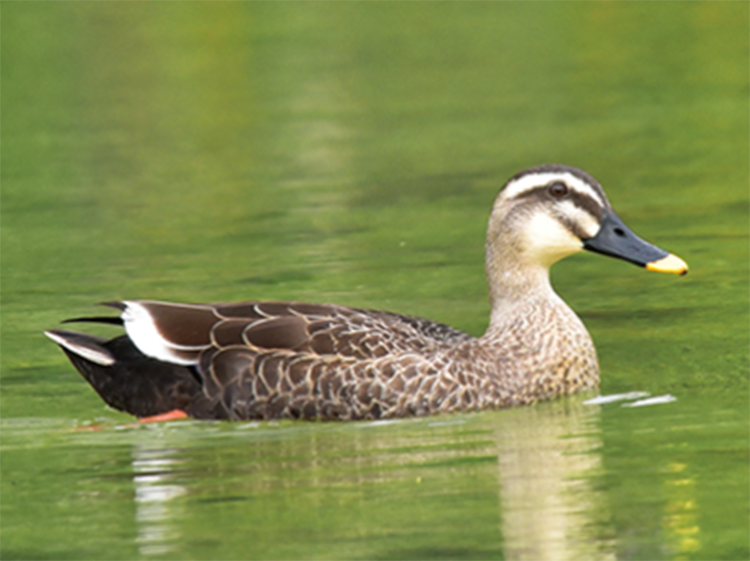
129, 381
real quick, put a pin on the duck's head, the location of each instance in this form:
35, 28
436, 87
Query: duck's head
548, 212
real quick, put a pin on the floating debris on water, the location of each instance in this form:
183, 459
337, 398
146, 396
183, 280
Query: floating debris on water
601, 399
658, 400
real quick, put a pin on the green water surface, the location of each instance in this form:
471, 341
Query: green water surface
350, 153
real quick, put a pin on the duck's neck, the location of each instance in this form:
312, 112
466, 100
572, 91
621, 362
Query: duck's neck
517, 286
534, 338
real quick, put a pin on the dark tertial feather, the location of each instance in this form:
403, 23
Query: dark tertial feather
184, 325
228, 332
285, 332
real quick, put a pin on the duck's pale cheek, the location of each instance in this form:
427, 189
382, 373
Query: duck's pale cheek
548, 241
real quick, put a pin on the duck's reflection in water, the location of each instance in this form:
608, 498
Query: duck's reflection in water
547, 456
548, 462
155, 488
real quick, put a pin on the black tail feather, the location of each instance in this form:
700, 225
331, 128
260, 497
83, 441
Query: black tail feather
137, 384
114, 320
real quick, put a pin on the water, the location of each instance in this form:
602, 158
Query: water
349, 153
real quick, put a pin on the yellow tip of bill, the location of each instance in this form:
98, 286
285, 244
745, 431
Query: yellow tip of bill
669, 264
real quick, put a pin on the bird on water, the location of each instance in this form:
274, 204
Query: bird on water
266, 360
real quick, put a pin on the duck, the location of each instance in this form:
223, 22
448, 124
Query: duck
276, 360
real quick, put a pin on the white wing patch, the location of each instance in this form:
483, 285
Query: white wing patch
143, 332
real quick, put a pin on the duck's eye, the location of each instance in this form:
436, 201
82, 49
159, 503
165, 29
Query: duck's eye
558, 190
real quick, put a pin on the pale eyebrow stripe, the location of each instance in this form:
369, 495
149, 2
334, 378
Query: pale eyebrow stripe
580, 200
518, 187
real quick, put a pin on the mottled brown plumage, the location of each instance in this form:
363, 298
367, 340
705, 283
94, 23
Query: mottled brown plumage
263, 360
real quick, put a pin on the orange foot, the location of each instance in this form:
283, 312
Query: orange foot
168, 416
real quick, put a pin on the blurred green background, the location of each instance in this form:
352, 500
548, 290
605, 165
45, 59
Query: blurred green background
350, 153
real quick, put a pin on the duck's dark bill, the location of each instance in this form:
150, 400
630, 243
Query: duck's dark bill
617, 240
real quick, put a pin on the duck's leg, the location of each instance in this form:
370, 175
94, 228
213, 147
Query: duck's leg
172, 415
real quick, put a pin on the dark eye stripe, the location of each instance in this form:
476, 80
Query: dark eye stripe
586, 203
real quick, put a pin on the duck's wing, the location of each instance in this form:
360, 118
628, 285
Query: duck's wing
270, 360
180, 333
